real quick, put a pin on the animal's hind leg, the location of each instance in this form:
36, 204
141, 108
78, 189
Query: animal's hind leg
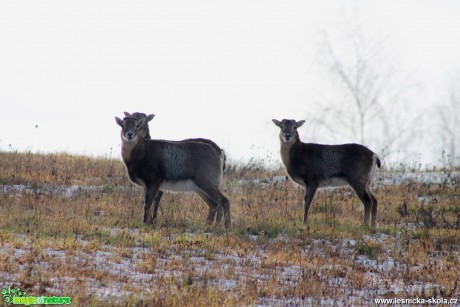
216, 195
224, 205
213, 206
374, 210
366, 199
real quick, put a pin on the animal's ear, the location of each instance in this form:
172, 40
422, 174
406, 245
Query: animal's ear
299, 123
150, 117
127, 114
119, 121
276, 122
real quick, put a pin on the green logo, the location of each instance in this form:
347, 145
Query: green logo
18, 297
9, 294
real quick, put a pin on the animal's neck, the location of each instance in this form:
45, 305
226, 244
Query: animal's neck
127, 149
288, 149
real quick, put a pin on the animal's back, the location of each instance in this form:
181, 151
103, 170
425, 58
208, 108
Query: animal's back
334, 165
184, 160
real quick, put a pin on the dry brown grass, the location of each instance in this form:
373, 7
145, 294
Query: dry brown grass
72, 226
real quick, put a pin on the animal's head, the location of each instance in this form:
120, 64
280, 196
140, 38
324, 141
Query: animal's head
132, 128
288, 128
145, 132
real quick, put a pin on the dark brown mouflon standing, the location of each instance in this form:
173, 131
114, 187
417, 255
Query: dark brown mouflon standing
314, 166
176, 166
145, 133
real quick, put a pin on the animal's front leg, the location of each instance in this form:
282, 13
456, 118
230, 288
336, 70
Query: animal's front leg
309, 194
150, 193
156, 204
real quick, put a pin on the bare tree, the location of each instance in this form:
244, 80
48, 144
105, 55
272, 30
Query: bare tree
369, 95
449, 121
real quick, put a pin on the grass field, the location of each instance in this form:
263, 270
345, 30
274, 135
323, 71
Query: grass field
72, 226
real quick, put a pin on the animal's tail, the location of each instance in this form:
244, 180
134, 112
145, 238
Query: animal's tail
223, 159
377, 161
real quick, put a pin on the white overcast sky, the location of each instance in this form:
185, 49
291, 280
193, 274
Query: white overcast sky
215, 69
